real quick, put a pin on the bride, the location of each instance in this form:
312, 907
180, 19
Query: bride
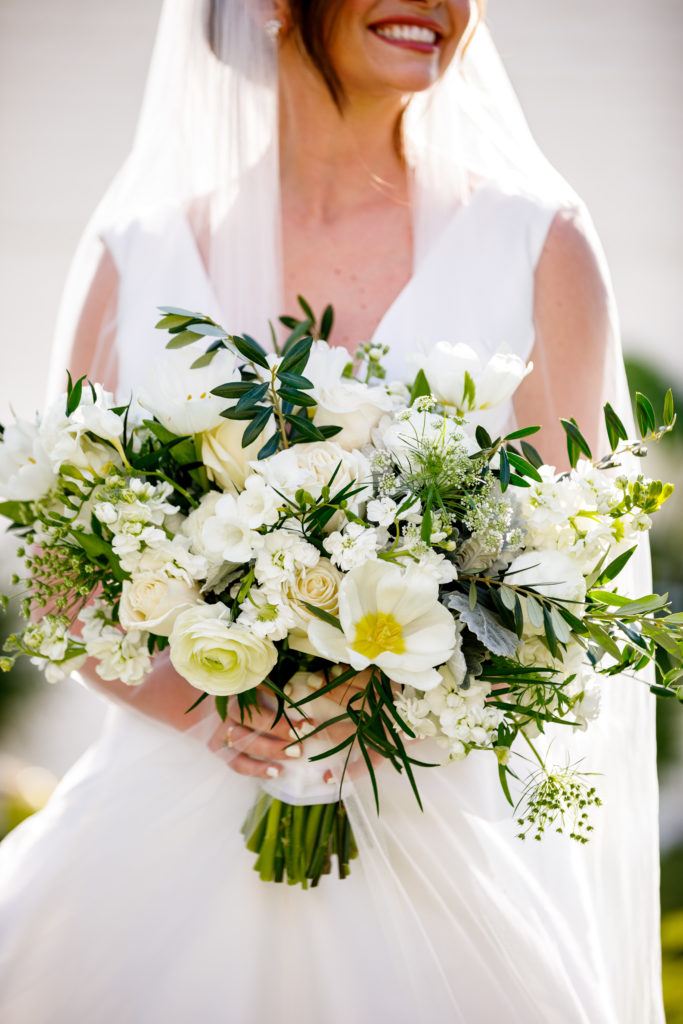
371, 154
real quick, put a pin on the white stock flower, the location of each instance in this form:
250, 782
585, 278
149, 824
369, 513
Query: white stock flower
218, 656
446, 364
226, 461
267, 614
312, 466
26, 471
354, 546
170, 556
390, 617
342, 401
65, 437
193, 525
227, 532
259, 502
120, 655
280, 554
153, 601
180, 397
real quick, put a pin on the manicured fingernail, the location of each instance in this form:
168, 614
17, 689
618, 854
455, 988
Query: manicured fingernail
289, 689
294, 735
293, 752
329, 778
272, 772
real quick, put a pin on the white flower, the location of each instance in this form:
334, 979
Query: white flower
65, 437
312, 466
435, 563
552, 574
180, 397
121, 500
218, 656
390, 617
343, 401
153, 601
414, 431
317, 585
226, 461
445, 366
267, 614
120, 655
258, 502
131, 538
193, 525
227, 532
382, 511
26, 471
279, 555
354, 546
168, 556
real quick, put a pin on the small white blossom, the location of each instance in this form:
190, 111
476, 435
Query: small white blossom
354, 546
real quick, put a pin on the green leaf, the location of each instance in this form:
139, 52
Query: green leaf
233, 413
531, 455
305, 427
308, 312
534, 611
177, 311
251, 351
182, 339
298, 398
575, 440
645, 605
321, 614
519, 617
95, 548
295, 380
326, 322
662, 691
222, 707
524, 467
253, 396
204, 360
504, 470
296, 353
270, 447
174, 321
210, 331
73, 399
645, 414
234, 390
420, 387
483, 437
18, 511
523, 432
256, 426
562, 631
550, 633
602, 637
198, 701
616, 430
473, 596
508, 597
502, 775
328, 430
669, 414
614, 568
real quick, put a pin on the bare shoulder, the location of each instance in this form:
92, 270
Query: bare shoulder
569, 276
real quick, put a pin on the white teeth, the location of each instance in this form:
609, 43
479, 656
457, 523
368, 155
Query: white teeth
415, 33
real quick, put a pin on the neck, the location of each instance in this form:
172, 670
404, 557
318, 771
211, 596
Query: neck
332, 160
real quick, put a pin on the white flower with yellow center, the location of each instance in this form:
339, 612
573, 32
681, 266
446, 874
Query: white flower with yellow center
389, 617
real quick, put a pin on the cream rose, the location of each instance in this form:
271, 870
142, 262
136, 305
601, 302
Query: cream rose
312, 466
226, 461
216, 655
317, 585
153, 601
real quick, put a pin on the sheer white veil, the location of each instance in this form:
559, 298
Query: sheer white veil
208, 130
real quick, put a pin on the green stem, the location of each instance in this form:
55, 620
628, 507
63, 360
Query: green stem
265, 864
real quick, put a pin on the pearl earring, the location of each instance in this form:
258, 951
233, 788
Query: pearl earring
273, 27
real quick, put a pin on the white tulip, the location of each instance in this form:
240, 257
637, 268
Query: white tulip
446, 364
343, 401
390, 617
218, 656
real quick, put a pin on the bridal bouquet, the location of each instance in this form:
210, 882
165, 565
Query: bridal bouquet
295, 533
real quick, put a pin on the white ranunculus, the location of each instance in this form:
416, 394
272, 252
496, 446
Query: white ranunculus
180, 397
26, 471
446, 364
311, 467
216, 655
343, 401
226, 461
392, 618
552, 574
153, 601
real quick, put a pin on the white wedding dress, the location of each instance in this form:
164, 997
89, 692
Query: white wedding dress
131, 897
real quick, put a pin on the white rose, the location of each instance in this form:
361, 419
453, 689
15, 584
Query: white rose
226, 461
311, 467
26, 472
152, 602
343, 401
445, 366
316, 585
180, 397
218, 656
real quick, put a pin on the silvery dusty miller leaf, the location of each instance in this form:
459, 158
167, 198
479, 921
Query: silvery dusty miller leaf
485, 625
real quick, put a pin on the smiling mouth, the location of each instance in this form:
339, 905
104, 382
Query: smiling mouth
418, 37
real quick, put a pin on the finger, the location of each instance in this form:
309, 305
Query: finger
261, 719
259, 745
245, 765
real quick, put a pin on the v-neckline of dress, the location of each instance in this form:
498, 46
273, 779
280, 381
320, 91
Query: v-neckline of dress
397, 302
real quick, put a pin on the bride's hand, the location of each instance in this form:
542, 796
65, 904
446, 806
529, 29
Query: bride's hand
255, 746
